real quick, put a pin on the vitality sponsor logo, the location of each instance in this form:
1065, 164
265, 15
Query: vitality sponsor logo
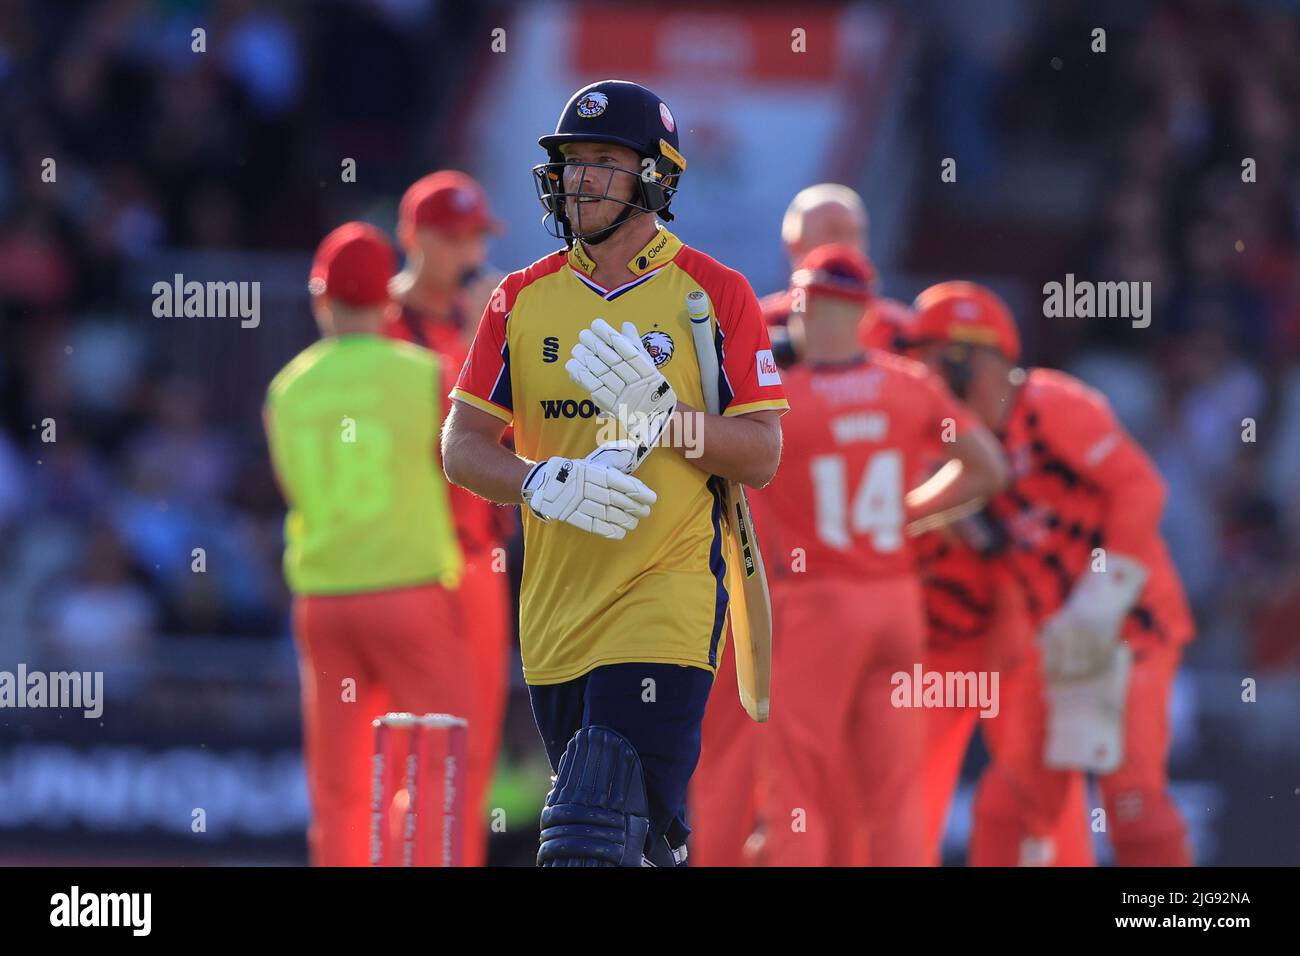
767, 371
568, 408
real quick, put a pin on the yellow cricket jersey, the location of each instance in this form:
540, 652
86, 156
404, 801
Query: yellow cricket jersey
352, 424
657, 595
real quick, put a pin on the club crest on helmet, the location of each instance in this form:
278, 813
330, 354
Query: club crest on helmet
593, 104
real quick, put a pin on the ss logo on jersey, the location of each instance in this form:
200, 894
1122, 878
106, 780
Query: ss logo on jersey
550, 349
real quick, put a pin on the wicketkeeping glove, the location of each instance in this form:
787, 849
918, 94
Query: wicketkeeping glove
588, 494
1079, 640
623, 381
1085, 718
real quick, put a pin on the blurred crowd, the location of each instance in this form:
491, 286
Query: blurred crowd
1177, 129
157, 148
1201, 197
114, 459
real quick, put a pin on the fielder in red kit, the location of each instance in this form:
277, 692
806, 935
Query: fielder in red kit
443, 224
370, 553
838, 774
977, 620
1081, 524
817, 216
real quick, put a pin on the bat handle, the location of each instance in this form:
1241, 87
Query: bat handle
697, 307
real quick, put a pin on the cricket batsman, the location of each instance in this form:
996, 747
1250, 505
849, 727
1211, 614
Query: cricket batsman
443, 224
588, 353
839, 762
370, 550
1080, 522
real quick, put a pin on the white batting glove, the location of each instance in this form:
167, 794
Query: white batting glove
621, 454
623, 381
589, 495
1079, 640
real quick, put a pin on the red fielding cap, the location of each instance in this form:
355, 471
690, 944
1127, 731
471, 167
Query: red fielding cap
965, 312
449, 201
353, 265
837, 270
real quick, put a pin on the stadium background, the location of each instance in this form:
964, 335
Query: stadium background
225, 165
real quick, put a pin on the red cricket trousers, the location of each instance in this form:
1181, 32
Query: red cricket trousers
1056, 832
833, 779
362, 655
1018, 797
484, 597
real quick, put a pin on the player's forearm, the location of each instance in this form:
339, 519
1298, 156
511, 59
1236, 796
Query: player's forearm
979, 474
744, 448
484, 466
1134, 494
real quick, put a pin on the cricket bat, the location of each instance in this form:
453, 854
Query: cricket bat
750, 606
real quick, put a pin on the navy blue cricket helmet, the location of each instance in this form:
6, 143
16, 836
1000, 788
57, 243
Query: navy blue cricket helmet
625, 114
